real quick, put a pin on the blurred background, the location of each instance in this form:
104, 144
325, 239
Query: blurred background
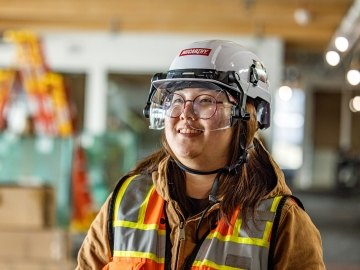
74, 78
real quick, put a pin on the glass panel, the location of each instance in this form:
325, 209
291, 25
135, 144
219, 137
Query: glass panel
288, 128
38, 161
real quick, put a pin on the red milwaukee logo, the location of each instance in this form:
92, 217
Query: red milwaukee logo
195, 51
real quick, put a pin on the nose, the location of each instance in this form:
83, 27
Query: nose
188, 111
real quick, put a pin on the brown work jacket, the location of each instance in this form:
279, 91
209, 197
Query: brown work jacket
298, 243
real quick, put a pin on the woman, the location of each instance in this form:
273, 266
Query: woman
212, 197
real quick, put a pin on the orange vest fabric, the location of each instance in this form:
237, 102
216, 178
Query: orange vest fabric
140, 233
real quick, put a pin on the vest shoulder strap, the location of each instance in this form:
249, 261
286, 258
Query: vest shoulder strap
110, 212
276, 226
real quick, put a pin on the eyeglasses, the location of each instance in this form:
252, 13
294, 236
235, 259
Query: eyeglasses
204, 106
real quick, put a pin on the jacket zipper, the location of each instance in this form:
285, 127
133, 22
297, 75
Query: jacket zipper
182, 231
181, 238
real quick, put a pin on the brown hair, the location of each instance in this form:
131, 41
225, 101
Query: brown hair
254, 179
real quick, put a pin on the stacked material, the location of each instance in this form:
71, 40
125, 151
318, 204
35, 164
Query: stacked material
29, 238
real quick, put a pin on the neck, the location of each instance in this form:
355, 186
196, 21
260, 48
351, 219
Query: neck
198, 186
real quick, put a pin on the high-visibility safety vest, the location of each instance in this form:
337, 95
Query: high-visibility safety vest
139, 233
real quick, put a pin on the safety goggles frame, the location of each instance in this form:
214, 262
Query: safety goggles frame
228, 81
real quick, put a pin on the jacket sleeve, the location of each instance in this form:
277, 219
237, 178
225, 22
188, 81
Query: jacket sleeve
298, 245
94, 252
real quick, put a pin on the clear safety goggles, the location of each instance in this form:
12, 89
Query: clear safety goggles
211, 104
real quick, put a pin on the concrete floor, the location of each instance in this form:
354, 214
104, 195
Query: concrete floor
338, 219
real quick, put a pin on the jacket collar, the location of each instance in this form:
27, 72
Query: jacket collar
161, 184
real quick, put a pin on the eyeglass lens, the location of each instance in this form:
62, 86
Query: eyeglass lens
204, 106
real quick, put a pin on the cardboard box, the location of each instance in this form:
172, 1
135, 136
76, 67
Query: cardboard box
46, 246
25, 207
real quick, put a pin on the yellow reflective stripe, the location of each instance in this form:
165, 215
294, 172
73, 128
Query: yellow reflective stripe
240, 240
275, 203
135, 225
237, 227
215, 265
267, 232
144, 205
121, 194
137, 254
263, 242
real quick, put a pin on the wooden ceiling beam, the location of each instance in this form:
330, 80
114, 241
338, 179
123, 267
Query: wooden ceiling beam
264, 17
268, 8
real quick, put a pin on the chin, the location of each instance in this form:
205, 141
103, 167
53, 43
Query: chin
186, 155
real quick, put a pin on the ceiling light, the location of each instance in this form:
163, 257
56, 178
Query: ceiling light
355, 104
285, 93
302, 16
342, 44
348, 27
353, 76
333, 58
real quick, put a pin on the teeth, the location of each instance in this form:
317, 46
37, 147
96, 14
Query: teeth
185, 131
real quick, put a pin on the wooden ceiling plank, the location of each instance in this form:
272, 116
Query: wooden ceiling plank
268, 17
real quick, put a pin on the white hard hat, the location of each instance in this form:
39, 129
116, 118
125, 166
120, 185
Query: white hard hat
226, 64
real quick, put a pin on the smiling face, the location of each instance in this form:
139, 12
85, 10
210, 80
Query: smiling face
195, 141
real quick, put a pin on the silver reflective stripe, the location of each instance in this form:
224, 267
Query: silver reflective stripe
257, 224
241, 250
130, 205
131, 236
242, 256
130, 239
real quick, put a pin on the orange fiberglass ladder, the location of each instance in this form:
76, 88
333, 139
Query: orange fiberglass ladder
45, 90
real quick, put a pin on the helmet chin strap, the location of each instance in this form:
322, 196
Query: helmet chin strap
193, 171
233, 169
